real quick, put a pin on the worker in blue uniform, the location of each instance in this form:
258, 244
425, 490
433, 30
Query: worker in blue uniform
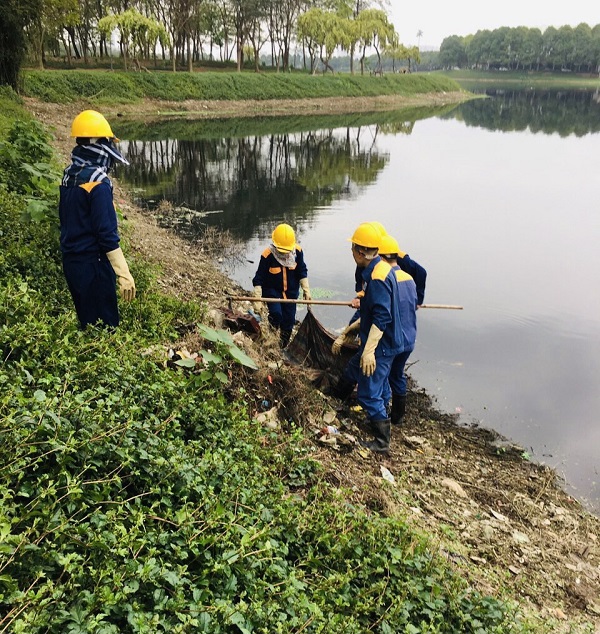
395, 391
405, 262
89, 241
381, 335
281, 274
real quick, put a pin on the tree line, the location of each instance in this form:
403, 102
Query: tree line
522, 48
179, 33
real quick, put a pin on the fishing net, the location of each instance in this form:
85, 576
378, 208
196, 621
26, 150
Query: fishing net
311, 349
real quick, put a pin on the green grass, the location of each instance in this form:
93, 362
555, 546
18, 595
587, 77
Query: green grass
468, 79
121, 87
140, 498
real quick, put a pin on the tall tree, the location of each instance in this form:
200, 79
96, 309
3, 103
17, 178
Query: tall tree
14, 17
49, 20
136, 31
453, 52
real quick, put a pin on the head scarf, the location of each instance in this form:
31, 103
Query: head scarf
92, 163
285, 259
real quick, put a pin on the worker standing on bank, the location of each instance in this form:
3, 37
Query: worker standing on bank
380, 334
395, 390
89, 241
281, 273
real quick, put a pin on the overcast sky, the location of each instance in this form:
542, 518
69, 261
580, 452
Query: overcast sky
441, 18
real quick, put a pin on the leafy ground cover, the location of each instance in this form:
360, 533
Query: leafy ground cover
138, 496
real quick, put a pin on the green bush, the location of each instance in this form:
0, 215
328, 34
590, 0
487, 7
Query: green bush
26, 168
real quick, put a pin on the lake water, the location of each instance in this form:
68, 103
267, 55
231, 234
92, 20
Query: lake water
498, 199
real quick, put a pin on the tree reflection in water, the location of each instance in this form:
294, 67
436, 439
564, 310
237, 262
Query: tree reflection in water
253, 179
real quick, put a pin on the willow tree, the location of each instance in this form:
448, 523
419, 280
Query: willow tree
136, 32
374, 29
397, 52
323, 32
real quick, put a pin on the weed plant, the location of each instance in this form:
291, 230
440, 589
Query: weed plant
139, 499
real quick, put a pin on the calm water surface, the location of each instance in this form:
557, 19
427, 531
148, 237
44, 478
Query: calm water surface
497, 198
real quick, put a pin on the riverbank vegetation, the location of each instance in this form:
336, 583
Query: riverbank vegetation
281, 35
141, 496
119, 87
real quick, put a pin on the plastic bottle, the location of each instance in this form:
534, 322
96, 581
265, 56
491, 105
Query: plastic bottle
330, 429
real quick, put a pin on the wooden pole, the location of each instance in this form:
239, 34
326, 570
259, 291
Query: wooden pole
319, 302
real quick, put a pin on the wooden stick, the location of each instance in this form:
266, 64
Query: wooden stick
320, 302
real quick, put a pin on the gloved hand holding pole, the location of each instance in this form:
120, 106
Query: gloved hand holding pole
305, 288
259, 307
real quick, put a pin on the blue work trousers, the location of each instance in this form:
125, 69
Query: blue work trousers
282, 315
92, 282
397, 380
371, 388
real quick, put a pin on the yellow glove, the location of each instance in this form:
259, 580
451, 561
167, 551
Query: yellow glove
336, 347
259, 307
124, 278
367, 358
305, 288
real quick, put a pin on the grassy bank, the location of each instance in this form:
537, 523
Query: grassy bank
513, 80
121, 87
138, 497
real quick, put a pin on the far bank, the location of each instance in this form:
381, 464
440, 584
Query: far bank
214, 94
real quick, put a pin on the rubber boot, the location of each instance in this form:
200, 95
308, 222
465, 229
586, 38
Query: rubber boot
284, 337
381, 430
398, 409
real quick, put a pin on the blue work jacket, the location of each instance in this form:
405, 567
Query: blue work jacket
88, 221
414, 269
277, 280
381, 306
407, 295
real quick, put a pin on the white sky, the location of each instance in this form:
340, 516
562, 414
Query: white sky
439, 19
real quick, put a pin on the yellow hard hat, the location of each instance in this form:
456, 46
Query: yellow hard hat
90, 123
284, 237
366, 235
379, 227
388, 246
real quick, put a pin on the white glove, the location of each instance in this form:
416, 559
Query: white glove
124, 278
305, 288
259, 307
336, 347
367, 359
